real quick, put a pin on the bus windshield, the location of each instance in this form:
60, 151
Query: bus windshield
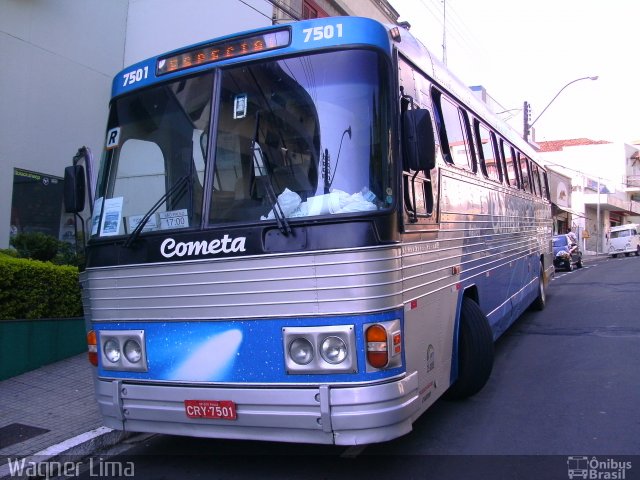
306, 135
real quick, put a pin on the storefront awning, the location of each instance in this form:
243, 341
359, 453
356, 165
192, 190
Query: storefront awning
572, 212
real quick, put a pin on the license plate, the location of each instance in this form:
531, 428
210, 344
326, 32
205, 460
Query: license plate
210, 409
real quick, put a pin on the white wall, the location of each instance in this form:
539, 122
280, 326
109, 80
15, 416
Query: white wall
157, 26
607, 161
58, 59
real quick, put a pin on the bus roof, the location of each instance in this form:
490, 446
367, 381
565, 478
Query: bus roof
277, 40
627, 226
306, 36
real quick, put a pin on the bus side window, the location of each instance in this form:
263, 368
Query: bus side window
532, 177
486, 143
545, 186
419, 187
451, 129
535, 174
524, 170
511, 178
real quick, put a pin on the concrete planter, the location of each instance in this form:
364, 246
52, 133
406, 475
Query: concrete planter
29, 344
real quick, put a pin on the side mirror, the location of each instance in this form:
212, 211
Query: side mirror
418, 140
74, 189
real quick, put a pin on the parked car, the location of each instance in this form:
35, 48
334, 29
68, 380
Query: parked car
625, 239
566, 253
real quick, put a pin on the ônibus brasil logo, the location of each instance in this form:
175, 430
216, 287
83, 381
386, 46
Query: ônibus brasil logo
226, 244
595, 468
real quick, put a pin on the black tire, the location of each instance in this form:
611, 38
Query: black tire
475, 352
541, 300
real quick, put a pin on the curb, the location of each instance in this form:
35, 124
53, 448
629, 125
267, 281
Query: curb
50, 460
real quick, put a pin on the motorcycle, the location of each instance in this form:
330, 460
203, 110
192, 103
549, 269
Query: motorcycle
566, 253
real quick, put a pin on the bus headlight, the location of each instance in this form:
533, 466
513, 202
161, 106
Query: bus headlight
301, 351
112, 350
329, 349
133, 351
122, 350
333, 350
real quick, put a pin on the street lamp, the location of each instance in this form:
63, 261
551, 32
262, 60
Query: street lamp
526, 112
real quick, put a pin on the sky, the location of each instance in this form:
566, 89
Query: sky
528, 51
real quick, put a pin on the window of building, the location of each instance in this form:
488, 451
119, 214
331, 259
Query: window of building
311, 9
36, 204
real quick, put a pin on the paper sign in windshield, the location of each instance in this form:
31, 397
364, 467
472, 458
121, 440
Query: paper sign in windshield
111, 216
174, 219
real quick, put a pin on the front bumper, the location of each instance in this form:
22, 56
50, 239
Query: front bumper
341, 415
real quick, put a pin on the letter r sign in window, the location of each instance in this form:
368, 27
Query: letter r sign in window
113, 138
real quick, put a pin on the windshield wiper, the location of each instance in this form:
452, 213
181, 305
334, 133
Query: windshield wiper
261, 171
174, 189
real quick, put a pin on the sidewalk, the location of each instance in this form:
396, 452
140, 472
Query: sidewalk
51, 411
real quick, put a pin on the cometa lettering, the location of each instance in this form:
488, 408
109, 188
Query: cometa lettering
226, 244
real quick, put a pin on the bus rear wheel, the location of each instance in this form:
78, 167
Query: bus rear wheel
475, 352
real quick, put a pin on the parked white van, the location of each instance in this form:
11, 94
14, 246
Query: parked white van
625, 239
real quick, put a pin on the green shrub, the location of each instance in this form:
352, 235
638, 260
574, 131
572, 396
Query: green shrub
33, 289
39, 246
11, 252
36, 245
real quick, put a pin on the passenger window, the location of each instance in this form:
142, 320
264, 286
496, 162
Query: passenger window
545, 185
452, 137
532, 177
508, 161
524, 169
420, 189
535, 174
486, 146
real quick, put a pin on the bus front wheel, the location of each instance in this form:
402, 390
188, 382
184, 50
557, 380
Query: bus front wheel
475, 352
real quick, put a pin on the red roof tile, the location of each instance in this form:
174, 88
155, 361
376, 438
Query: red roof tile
557, 145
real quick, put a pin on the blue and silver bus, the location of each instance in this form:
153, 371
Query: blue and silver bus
307, 233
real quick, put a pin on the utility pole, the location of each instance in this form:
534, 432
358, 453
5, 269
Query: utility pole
526, 116
444, 32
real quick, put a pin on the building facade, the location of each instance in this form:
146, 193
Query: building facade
560, 193
291, 10
604, 189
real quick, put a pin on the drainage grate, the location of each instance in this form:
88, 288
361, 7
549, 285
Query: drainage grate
18, 432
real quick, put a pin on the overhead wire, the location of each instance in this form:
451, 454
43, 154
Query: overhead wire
454, 27
462, 29
254, 8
